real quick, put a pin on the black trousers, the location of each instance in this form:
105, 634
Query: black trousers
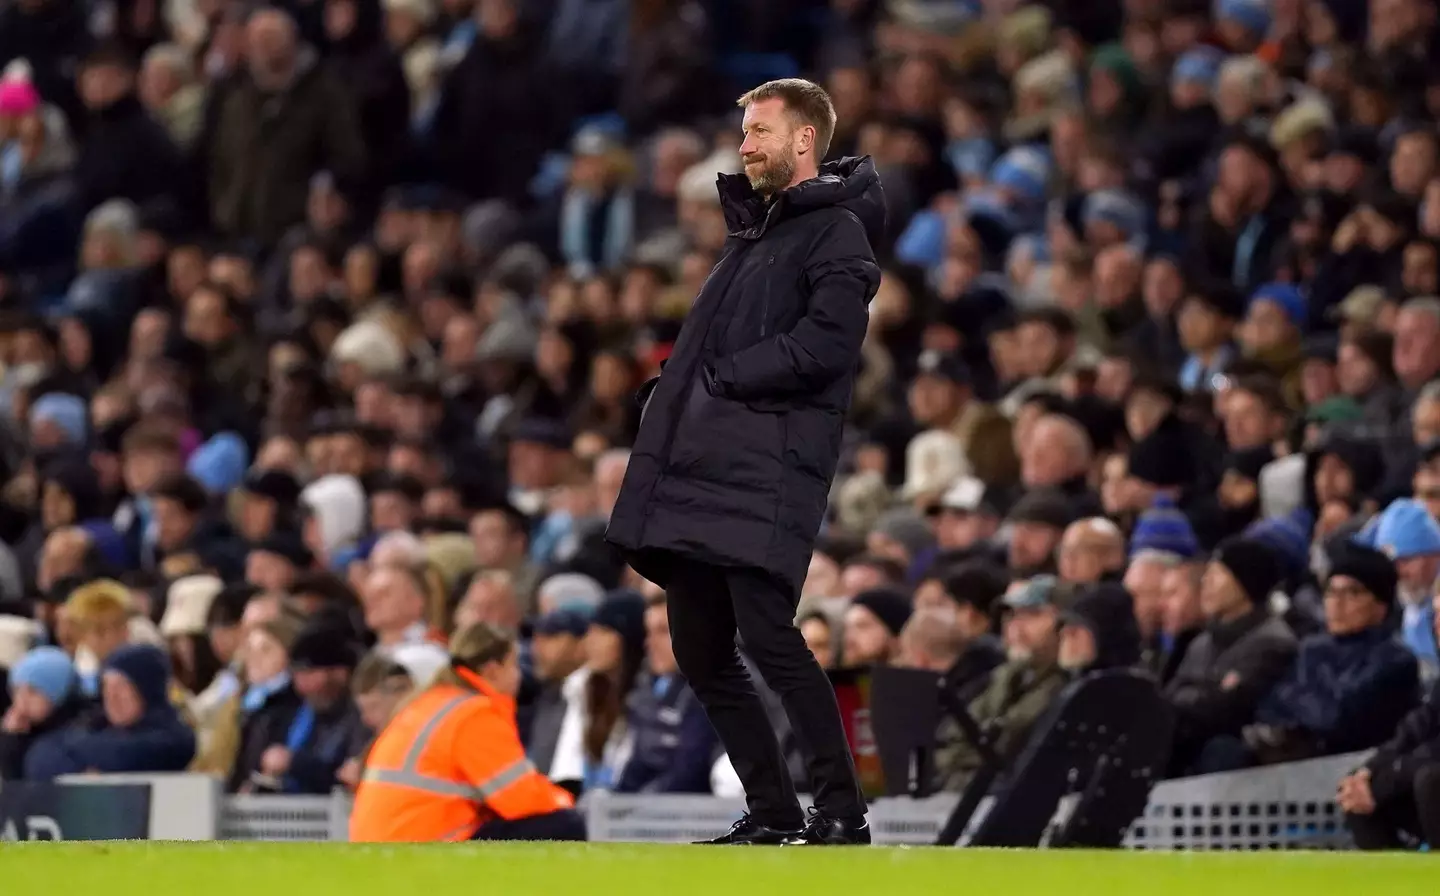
708, 606
565, 824
1400, 821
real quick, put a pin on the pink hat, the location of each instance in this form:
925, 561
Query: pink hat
18, 97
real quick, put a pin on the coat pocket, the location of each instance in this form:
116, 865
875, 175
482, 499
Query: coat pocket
727, 443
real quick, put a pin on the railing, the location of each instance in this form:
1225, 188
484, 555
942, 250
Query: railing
1280, 807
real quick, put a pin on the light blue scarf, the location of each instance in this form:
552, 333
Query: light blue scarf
257, 694
575, 221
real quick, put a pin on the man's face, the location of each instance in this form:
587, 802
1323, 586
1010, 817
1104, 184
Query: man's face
1425, 422
488, 601
1145, 580
867, 641
934, 400
533, 465
1031, 635
1333, 479
556, 656
1248, 423
173, 524
495, 545
959, 529
772, 142
321, 687
1077, 648
391, 512
1031, 545
123, 704
1416, 354
102, 85
270, 47
206, 319
256, 517
1413, 163
1350, 608
142, 469
1180, 601
391, 600
269, 570
1085, 555
1417, 576
1220, 595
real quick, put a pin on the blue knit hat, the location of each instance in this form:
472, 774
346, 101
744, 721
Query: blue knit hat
1164, 529
1200, 65
66, 411
1404, 530
220, 463
1116, 207
1289, 537
1024, 170
1253, 15
1290, 300
47, 670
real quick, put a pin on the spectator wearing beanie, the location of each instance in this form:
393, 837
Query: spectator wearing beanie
614, 653
326, 729
1234, 663
269, 705
1349, 686
872, 627
141, 731
1099, 631
45, 703
1407, 533
1163, 529
1162, 541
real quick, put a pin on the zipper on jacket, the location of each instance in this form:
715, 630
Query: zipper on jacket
765, 305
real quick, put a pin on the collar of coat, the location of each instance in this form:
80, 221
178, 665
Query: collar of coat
844, 181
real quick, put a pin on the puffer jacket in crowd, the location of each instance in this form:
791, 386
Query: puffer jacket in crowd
674, 745
1227, 670
1345, 693
1008, 708
159, 741
22, 753
266, 146
1414, 744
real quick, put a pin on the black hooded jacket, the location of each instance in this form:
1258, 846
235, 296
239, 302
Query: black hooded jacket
740, 437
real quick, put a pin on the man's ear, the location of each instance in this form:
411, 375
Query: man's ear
807, 139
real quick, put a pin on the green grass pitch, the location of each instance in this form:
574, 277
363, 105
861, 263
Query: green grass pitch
275, 869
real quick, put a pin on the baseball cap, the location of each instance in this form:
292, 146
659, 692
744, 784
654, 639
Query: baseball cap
566, 621
966, 495
1045, 506
945, 366
1038, 592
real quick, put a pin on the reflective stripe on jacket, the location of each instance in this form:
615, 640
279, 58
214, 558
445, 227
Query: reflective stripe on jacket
447, 763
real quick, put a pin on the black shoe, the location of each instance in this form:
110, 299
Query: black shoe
822, 830
749, 832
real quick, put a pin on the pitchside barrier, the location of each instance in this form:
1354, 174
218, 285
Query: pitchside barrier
1280, 807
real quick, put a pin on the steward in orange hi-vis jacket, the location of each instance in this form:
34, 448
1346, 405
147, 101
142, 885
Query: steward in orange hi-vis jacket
449, 766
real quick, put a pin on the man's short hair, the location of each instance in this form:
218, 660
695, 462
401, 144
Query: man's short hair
1267, 390
806, 101
144, 439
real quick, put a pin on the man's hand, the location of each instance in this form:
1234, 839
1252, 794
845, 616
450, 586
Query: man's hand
275, 761
349, 773
15, 721
1354, 794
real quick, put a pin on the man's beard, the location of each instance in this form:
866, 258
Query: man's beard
775, 173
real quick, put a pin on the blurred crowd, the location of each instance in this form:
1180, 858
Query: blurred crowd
320, 326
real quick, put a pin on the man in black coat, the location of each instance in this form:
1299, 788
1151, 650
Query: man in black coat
125, 153
738, 444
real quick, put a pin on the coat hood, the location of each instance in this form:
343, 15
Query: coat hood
851, 183
148, 671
